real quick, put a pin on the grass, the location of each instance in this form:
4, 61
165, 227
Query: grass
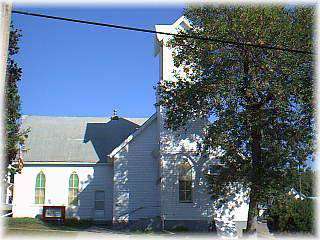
37, 224
30, 226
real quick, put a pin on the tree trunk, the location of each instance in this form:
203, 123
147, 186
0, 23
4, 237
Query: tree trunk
252, 215
255, 178
256, 167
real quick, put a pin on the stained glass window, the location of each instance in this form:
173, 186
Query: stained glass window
73, 189
40, 188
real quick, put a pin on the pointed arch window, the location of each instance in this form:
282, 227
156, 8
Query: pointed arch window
73, 189
40, 189
186, 175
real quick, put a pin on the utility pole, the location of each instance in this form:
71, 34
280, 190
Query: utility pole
299, 179
5, 19
299, 173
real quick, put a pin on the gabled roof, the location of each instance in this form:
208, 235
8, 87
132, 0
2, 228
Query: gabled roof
133, 135
181, 23
75, 139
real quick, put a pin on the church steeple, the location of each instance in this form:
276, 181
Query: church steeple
164, 52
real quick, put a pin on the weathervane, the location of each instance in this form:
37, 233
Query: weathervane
114, 116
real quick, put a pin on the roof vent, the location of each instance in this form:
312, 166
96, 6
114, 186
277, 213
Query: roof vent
114, 116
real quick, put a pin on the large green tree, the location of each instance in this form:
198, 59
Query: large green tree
303, 181
12, 121
260, 100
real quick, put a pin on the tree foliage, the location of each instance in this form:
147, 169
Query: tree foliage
306, 180
12, 122
292, 215
261, 100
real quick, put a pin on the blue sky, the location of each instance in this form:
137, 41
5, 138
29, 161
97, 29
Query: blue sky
72, 69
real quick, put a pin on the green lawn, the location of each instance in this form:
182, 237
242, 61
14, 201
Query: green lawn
37, 224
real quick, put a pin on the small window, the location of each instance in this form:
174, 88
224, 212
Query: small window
99, 200
73, 190
40, 188
185, 182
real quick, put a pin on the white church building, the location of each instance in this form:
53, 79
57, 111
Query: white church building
124, 171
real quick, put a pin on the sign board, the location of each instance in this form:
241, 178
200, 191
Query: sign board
54, 213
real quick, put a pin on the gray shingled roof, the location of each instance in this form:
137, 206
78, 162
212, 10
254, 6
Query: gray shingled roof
75, 139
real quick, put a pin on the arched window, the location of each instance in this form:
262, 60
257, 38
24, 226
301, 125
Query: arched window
40, 190
185, 182
73, 189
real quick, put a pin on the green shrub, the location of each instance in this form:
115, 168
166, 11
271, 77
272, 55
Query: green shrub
180, 228
292, 215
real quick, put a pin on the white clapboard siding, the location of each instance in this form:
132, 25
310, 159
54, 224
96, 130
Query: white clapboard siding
174, 149
136, 174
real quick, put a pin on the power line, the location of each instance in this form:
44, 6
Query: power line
263, 46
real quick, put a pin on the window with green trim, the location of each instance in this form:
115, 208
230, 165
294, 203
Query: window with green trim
73, 189
40, 188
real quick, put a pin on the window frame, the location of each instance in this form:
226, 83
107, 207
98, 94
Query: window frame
40, 189
73, 191
186, 189
95, 200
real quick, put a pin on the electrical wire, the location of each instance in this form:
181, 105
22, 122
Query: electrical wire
263, 46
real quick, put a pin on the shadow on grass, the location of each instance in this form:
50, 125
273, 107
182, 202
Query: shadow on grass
38, 224
69, 224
